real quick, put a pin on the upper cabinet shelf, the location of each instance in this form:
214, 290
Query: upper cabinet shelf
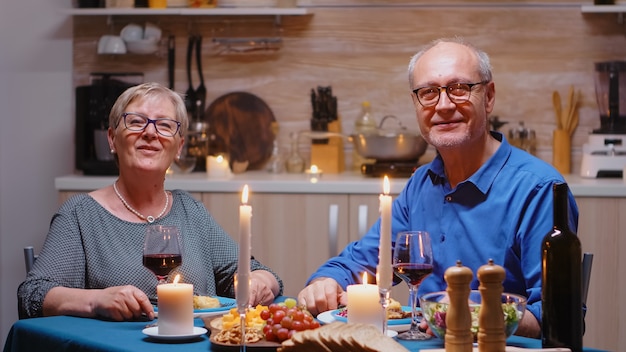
620, 8
215, 11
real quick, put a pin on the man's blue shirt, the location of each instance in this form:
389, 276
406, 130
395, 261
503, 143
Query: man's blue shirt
502, 212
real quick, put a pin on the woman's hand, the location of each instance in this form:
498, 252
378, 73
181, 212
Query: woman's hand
263, 288
116, 303
121, 303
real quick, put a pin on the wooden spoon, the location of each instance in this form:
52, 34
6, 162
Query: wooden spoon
556, 102
573, 119
569, 111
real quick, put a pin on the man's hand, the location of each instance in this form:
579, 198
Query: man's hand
321, 295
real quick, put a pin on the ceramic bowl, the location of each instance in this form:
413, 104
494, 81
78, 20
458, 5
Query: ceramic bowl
143, 46
435, 306
132, 32
151, 31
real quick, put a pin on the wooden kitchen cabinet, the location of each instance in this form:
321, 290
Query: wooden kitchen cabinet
601, 227
290, 232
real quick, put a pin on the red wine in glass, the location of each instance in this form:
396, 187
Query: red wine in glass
161, 250
412, 274
412, 262
162, 264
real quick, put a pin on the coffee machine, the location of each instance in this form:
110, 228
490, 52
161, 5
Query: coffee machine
604, 155
93, 105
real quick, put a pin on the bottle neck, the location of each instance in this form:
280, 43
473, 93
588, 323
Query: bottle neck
561, 206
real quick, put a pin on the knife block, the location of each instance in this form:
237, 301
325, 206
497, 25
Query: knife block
329, 158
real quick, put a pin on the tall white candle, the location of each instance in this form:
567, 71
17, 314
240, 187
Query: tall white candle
175, 302
364, 304
243, 270
384, 271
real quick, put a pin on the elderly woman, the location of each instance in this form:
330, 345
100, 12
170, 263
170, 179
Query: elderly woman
91, 262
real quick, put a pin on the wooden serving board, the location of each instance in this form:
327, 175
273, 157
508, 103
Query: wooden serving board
212, 325
513, 349
240, 124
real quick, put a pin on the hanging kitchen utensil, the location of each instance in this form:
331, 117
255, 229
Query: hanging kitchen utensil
171, 45
241, 125
190, 94
201, 90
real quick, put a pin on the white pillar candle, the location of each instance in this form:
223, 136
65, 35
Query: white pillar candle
217, 167
364, 304
175, 302
243, 269
384, 271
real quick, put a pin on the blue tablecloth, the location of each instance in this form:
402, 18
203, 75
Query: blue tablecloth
64, 333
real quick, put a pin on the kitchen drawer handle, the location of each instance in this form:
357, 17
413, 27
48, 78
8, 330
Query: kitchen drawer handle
362, 220
333, 215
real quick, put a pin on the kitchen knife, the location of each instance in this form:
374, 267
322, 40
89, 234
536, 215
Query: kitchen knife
171, 45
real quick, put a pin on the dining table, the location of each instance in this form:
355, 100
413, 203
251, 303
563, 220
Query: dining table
69, 333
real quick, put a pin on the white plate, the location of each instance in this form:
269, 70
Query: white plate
327, 318
226, 304
154, 333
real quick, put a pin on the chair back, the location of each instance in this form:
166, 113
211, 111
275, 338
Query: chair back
29, 258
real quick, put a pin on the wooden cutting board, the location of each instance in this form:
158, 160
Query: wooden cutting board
240, 124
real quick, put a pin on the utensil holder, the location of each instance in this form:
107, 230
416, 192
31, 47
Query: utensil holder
330, 157
562, 151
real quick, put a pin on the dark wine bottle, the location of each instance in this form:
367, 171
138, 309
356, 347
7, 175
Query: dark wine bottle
561, 293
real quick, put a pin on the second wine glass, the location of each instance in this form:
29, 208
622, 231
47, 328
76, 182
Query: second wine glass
412, 262
161, 250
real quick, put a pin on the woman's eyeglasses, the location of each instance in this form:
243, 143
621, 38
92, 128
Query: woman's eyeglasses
138, 122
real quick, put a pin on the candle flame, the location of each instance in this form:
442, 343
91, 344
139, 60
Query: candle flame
177, 278
314, 168
365, 278
244, 195
219, 159
386, 185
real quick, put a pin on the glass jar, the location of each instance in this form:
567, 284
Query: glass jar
295, 163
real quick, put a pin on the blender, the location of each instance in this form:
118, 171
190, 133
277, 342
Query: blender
604, 155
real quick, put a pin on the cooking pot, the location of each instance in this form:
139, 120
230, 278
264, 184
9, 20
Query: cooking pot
390, 144
384, 144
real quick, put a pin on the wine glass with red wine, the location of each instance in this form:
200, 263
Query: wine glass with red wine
412, 262
161, 250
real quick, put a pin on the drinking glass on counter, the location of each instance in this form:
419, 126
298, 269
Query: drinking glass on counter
161, 250
412, 262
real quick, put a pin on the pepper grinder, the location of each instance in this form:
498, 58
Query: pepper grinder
491, 335
459, 336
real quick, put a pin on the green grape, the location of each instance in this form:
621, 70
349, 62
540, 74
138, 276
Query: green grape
290, 302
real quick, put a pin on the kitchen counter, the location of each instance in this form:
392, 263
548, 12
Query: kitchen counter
344, 183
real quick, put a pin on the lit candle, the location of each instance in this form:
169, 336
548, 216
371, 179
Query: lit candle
364, 304
217, 167
384, 272
243, 270
175, 303
314, 173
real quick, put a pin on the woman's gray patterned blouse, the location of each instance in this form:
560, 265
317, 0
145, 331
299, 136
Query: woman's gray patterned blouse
88, 247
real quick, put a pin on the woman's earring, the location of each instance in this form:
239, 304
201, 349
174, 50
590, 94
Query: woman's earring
112, 151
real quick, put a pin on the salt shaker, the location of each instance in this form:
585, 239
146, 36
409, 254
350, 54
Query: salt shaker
491, 334
459, 336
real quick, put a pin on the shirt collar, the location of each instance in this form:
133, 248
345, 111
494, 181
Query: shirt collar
486, 174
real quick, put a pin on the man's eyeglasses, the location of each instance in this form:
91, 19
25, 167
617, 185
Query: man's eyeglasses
457, 93
137, 122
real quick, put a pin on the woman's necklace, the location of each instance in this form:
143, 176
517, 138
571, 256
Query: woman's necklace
150, 219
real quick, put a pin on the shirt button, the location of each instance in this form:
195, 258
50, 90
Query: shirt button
448, 199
